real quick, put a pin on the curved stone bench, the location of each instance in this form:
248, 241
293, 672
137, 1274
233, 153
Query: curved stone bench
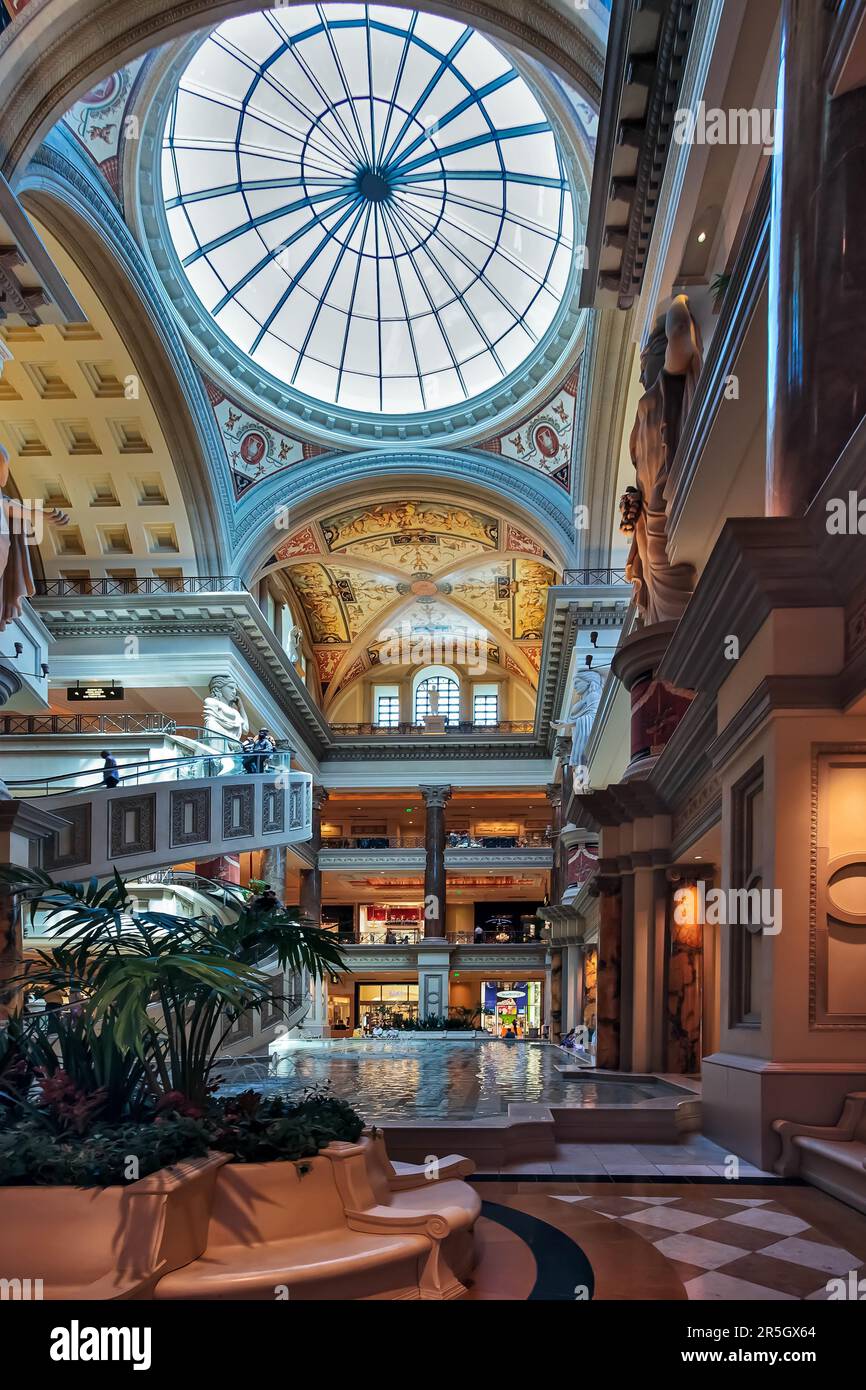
372, 1189
281, 1230
833, 1157
104, 1243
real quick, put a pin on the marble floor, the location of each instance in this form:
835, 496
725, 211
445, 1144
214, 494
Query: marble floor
693, 1157
686, 1239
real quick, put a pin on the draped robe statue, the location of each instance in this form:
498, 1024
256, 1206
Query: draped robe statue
586, 694
670, 366
222, 711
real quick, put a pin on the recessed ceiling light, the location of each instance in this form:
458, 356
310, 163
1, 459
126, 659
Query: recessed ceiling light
699, 856
702, 236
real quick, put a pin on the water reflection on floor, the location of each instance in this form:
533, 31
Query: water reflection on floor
432, 1079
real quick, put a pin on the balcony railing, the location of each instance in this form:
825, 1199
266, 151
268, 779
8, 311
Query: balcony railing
532, 840
513, 726
373, 842
612, 578
86, 724
118, 588
411, 936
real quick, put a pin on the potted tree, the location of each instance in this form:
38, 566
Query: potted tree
107, 1130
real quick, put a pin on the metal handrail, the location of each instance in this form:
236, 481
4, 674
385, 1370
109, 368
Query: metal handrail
116, 588
455, 840
42, 724
215, 763
381, 842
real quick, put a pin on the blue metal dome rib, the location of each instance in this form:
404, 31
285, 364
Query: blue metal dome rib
388, 242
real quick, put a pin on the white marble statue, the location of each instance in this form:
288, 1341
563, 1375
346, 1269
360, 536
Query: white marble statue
223, 712
294, 644
585, 696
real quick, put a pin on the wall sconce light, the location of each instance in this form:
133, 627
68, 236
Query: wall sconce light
19, 648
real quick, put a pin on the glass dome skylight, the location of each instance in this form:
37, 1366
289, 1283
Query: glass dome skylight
369, 202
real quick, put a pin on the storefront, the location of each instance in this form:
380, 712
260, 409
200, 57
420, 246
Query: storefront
396, 924
511, 1008
383, 1005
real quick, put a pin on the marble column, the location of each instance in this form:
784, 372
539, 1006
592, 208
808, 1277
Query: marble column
609, 980
555, 995
273, 870
311, 879
817, 323
435, 799
683, 1020
557, 873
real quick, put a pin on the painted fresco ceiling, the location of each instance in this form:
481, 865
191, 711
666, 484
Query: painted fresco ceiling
364, 576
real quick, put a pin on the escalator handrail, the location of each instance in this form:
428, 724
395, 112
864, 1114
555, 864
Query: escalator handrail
127, 770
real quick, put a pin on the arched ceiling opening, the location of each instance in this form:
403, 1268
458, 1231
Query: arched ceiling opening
370, 204
370, 582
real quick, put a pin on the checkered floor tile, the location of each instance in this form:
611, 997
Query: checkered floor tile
733, 1247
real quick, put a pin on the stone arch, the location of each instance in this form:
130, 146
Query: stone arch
531, 500
52, 53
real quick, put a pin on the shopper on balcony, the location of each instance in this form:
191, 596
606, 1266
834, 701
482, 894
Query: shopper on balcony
249, 760
263, 747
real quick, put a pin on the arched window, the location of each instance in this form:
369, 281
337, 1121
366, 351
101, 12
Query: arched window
447, 688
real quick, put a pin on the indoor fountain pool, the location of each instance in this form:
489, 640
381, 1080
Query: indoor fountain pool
419, 1079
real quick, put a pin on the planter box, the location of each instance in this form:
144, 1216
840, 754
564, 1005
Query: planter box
106, 1242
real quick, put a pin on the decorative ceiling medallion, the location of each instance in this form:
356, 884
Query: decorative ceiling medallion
99, 123
545, 440
253, 450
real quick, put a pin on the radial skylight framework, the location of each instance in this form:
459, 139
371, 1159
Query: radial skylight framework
369, 202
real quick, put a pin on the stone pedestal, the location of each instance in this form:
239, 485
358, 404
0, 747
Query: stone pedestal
435, 799
433, 975
656, 706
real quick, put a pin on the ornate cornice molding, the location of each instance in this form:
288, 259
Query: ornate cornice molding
632, 149
757, 564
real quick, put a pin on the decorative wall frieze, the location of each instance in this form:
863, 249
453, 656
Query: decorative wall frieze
544, 440
253, 449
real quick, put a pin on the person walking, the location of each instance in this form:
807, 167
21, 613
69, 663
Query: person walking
110, 773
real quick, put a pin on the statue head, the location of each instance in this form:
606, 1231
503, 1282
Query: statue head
224, 688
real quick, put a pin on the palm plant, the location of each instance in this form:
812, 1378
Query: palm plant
159, 993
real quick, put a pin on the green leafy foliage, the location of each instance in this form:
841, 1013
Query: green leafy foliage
33, 1154
263, 1129
157, 990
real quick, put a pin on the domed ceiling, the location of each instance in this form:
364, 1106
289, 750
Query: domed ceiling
369, 203
358, 577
